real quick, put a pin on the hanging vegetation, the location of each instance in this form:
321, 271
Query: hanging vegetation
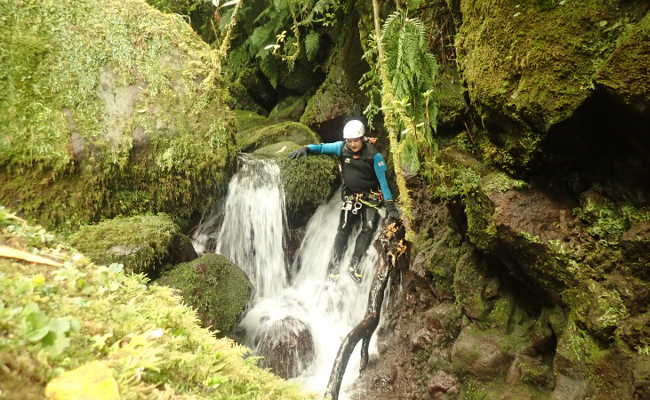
407, 72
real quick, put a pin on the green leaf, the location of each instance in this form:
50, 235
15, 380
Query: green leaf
312, 44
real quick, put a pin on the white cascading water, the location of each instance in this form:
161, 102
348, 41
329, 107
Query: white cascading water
249, 230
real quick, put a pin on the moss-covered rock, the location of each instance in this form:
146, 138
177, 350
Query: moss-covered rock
625, 73
339, 94
141, 243
529, 66
216, 288
290, 108
298, 133
308, 182
111, 109
451, 101
56, 318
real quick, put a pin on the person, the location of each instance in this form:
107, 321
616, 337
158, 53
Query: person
365, 189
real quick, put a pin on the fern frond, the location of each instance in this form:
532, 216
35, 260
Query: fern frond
312, 44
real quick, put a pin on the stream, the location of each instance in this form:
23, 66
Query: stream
250, 229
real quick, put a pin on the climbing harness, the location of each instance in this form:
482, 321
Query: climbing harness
354, 202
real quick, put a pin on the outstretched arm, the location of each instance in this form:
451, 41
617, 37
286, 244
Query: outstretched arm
380, 171
322, 148
334, 148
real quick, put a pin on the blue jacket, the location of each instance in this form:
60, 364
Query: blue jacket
361, 172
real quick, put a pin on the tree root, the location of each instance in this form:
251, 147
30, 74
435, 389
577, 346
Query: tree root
391, 247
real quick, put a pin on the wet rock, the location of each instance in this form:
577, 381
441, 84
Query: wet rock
287, 347
569, 389
441, 385
290, 108
479, 354
256, 138
625, 74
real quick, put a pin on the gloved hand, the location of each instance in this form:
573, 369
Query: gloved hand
392, 212
301, 152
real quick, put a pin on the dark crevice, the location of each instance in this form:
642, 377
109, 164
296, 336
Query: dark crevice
604, 145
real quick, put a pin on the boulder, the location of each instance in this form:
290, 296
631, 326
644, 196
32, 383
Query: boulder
625, 73
141, 243
216, 288
290, 108
479, 354
110, 113
529, 66
287, 346
258, 137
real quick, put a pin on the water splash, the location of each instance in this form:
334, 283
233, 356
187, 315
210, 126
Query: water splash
250, 232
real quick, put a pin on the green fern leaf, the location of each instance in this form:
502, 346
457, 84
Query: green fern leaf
312, 44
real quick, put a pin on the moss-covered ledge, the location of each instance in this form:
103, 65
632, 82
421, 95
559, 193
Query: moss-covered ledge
143, 243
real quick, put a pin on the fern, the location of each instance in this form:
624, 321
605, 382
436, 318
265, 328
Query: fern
412, 72
312, 44
370, 82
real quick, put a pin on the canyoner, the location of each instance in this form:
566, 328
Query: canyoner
365, 189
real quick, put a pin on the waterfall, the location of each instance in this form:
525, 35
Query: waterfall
250, 227
249, 230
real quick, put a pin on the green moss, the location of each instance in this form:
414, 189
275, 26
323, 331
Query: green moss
529, 66
308, 181
140, 243
128, 114
247, 120
606, 219
481, 229
625, 72
500, 182
469, 281
599, 310
283, 131
89, 312
217, 289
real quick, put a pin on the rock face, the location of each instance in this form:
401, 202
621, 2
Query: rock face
216, 288
530, 66
110, 113
142, 243
287, 347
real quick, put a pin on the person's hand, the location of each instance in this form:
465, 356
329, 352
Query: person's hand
301, 152
392, 212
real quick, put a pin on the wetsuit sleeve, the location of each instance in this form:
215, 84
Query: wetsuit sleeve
380, 171
326, 148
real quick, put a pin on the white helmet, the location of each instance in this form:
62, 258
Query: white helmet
353, 129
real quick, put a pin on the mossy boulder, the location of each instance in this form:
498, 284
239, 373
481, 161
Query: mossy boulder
142, 244
111, 109
253, 139
529, 66
290, 108
625, 73
452, 107
215, 287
